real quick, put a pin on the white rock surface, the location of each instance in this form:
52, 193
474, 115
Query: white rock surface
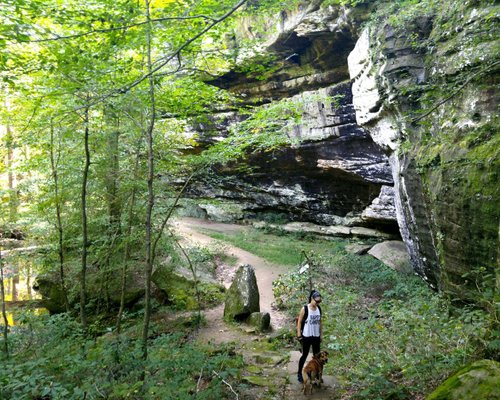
367, 98
392, 253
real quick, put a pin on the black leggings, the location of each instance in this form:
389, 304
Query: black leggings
307, 342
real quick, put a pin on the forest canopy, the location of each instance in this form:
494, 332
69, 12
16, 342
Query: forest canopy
98, 100
107, 119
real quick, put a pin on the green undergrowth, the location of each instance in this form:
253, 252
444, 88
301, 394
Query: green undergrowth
282, 249
53, 359
389, 336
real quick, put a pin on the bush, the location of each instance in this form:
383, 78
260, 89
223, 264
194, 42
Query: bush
58, 362
389, 334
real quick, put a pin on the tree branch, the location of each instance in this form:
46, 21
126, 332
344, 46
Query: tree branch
175, 54
171, 210
118, 28
230, 387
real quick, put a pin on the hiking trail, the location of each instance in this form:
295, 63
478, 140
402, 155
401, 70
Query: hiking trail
268, 371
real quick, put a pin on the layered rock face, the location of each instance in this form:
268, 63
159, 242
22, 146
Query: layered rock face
427, 92
337, 172
416, 129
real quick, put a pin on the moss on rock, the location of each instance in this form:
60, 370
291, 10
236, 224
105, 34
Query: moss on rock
439, 76
480, 380
260, 320
51, 292
181, 291
242, 297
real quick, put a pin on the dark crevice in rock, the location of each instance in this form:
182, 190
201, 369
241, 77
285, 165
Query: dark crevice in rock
337, 171
322, 54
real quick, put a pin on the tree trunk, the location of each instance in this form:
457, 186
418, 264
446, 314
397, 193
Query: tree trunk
15, 282
85, 241
150, 204
9, 144
150, 253
113, 198
59, 227
195, 277
4, 312
114, 203
28, 281
128, 234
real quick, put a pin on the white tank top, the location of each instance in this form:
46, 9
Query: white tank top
311, 326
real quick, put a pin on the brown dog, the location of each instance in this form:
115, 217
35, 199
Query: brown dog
313, 371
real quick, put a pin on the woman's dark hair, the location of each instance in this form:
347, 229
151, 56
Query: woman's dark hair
314, 293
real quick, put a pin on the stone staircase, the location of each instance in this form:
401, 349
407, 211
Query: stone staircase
272, 375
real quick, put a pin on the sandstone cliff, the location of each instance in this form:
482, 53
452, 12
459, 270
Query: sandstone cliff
425, 87
413, 138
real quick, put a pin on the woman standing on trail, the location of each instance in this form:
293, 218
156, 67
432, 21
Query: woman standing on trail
309, 329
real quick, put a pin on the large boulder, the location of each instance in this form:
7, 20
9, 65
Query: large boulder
242, 297
49, 287
179, 285
480, 380
52, 295
392, 253
134, 289
176, 287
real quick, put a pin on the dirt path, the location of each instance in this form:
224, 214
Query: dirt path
273, 374
217, 330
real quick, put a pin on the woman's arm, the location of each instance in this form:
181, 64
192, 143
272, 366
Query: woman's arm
299, 322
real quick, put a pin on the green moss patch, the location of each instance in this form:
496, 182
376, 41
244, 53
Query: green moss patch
480, 380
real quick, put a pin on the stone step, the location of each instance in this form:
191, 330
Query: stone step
294, 388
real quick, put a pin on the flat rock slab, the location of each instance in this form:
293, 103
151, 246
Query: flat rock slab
332, 231
359, 249
392, 253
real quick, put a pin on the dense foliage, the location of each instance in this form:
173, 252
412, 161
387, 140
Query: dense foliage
390, 336
98, 103
55, 359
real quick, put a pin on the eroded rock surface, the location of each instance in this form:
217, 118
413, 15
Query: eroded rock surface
242, 297
427, 95
412, 136
335, 170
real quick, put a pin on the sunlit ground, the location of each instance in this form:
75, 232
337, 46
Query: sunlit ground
18, 289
